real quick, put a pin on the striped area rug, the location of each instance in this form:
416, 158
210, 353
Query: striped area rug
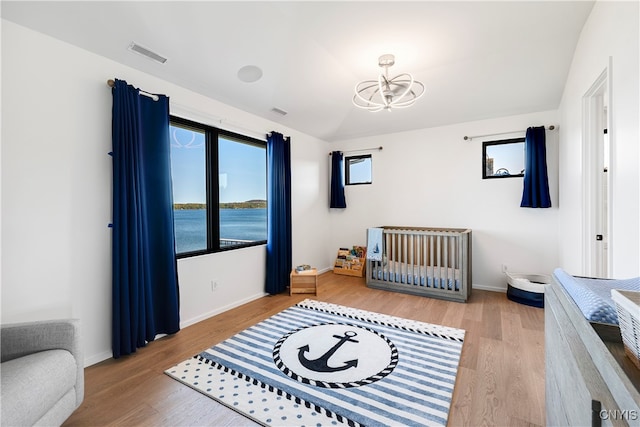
321, 364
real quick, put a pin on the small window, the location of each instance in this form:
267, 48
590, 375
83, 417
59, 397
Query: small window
358, 169
503, 159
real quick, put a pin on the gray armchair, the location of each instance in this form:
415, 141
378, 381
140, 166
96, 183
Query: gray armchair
42, 372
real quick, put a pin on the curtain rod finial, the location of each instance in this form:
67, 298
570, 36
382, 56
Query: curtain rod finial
111, 83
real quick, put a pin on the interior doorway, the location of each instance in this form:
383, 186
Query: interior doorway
597, 149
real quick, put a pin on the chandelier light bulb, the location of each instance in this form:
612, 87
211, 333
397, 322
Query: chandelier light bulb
387, 93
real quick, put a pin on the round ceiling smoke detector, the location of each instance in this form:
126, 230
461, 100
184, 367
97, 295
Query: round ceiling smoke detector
249, 73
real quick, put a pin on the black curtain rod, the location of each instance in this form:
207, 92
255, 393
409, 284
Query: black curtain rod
469, 138
362, 149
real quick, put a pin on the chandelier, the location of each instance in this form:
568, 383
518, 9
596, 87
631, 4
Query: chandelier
386, 93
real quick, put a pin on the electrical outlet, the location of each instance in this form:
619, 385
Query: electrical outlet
214, 285
504, 268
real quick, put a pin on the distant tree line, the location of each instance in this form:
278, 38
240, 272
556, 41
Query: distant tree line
188, 206
249, 204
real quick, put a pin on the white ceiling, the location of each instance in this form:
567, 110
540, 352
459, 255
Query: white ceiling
477, 59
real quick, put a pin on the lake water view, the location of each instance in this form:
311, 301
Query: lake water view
235, 224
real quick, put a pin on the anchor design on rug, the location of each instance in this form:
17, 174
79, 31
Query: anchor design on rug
320, 364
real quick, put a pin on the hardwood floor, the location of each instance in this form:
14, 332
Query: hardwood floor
500, 380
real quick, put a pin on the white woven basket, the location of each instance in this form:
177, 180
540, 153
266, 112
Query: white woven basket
628, 309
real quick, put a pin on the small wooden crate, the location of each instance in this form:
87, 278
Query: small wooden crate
305, 282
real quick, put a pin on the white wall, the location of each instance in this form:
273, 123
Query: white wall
433, 178
611, 31
56, 191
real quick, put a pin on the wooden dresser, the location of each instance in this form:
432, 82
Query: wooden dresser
589, 380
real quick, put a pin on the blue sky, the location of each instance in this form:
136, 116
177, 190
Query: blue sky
361, 171
510, 156
242, 169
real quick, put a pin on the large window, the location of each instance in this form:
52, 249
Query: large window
219, 188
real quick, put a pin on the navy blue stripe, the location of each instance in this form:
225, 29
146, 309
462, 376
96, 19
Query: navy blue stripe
425, 379
435, 370
394, 404
418, 390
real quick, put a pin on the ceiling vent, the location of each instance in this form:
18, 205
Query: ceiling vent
134, 47
279, 111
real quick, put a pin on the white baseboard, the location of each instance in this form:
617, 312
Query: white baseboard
219, 310
489, 288
97, 358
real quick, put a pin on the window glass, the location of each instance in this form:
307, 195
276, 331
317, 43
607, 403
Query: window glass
242, 187
358, 169
188, 171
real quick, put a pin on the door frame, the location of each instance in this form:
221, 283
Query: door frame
593, 123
